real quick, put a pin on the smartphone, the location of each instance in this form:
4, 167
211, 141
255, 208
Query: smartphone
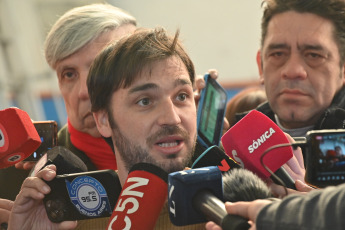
325, 157
80, 196
47, 130
211, 111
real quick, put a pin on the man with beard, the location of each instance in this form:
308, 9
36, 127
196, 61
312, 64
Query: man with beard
141, 91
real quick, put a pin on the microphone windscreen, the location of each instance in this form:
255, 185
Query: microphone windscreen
18, 136
66, 162
249, 138
243, 185
142, 198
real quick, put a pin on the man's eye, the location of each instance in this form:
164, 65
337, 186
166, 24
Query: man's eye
314, 55
182, 97
277, 54
144, 102
315, 59
68, 75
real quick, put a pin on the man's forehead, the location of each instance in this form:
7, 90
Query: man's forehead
142, 84
170, 69
297, 27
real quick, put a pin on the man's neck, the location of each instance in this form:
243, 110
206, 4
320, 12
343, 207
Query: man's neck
298, 132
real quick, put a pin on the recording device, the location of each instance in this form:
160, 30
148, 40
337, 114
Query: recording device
247, 141
83, 195
214, 156
47, 130
197, 195
18, 136
325, 157
142, 198
211, 111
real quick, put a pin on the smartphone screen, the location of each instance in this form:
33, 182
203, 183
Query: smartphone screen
47, 130
211, 112
325, 158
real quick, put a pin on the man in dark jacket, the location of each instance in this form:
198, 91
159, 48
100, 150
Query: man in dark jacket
302, 65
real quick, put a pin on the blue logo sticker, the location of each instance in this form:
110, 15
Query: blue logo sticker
89, 196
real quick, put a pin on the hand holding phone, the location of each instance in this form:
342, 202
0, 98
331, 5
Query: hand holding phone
211, 111
47, 130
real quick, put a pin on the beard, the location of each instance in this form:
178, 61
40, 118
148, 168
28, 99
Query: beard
131, 153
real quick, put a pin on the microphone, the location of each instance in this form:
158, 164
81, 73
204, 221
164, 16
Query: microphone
247, 141
18, 136
196, 195
142, 198
243, 185
214, 156
66, 162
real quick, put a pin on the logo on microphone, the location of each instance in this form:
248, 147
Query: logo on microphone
88, 196
236, 158
3, 139
256, 143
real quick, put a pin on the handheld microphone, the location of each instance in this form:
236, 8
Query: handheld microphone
214, 156
235, 178
247, 141
18, 136
142, 198
196, 195
66, 162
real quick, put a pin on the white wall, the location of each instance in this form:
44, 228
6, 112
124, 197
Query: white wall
220, 34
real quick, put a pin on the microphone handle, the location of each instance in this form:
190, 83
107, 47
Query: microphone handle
285, 177
214, 210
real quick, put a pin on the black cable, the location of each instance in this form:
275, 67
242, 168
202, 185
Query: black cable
293, 145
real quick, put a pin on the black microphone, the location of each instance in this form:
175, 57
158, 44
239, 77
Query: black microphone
66, 162
196, 195
214, 156
243, 185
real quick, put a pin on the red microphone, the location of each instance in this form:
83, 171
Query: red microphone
248, 140
142, 198
18, 136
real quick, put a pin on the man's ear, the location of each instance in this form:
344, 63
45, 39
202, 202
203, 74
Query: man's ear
102, 122
259, 63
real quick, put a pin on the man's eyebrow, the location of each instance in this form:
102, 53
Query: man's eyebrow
181, 81
143, 87
311, 47
154, 86
278, 46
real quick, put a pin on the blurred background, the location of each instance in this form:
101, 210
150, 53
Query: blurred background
219, 34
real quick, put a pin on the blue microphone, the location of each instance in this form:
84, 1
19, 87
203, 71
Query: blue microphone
195, 196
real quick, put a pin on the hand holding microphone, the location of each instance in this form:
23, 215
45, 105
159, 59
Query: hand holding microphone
196, 195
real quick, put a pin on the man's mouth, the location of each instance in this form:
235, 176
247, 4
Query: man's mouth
168, 144
293, 92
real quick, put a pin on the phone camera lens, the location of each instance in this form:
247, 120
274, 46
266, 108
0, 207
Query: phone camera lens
55, 209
